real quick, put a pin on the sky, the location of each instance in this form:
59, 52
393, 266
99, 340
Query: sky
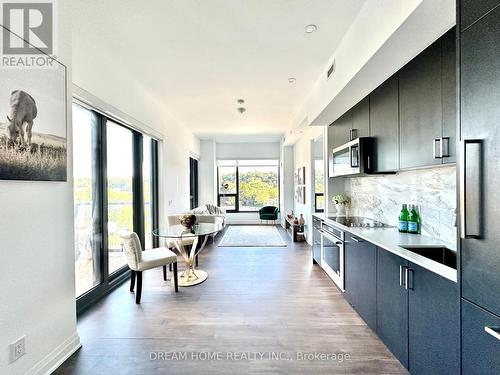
47, 87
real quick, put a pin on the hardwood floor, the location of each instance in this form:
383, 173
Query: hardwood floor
256, 300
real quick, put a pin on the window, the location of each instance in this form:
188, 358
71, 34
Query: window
319, 185
86, 214
247, 185
115, 188
120, 194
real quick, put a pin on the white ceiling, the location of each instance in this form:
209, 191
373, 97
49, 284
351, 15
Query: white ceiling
199, 56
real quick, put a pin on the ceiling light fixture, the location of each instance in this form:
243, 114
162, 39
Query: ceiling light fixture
240, 101
241, 109
291, 80
311, 28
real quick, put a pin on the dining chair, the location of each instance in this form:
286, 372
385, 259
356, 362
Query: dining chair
140, 260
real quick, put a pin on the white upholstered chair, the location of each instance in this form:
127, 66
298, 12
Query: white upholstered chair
139, 260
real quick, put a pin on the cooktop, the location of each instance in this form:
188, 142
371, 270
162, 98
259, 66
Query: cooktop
357, 221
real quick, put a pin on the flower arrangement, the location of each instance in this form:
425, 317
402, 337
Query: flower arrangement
187, 220
341, 199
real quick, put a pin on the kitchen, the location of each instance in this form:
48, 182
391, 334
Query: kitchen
426, 138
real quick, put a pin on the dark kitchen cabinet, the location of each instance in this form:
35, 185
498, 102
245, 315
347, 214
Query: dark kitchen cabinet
420, 108
472, 10
316, 248
480, 120
339, 131
392, 304
384, 125
361, 118
360, 259
433, 323
449, 94
480, 348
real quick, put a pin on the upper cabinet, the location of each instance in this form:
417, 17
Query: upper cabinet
412, 116
352, 124
339, 131
427, 106
384, 125
420, 108
361, 119
449, 94
472, 10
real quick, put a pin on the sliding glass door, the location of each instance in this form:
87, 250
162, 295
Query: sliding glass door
88, 232
119, 190
115, 189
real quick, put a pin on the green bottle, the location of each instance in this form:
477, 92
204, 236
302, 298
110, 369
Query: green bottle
403, 219
413, 220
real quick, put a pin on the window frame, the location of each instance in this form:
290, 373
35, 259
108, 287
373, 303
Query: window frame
318, 194
110, 281
237, 194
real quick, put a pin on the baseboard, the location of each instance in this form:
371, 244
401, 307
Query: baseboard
57, 356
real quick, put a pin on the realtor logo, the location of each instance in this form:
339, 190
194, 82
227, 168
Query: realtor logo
28, 33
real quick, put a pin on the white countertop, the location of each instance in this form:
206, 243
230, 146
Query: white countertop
392, 240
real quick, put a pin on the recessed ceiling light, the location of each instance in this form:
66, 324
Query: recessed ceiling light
240, 101
311, 28
241, 109
291, 80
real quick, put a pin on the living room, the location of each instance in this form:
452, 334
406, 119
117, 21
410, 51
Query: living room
249, 186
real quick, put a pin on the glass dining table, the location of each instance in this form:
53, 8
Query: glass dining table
189, 243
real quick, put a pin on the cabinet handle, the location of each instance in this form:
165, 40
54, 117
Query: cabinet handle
355, 239
444, 147
401, 281
471, 175
407, 278
493, 331
436, 148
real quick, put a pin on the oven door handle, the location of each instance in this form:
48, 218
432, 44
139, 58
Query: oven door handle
331, 237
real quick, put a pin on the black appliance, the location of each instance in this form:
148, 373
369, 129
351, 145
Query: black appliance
332, 253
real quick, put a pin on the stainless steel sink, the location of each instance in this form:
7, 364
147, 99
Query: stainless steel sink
441, 255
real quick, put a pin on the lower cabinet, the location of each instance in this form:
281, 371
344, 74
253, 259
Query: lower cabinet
392, 304
360, 264
417, 315
434, 323
480, 346
316, 247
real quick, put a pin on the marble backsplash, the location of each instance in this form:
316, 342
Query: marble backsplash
433, 189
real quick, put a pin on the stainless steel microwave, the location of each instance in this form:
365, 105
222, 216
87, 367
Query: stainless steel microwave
353, 158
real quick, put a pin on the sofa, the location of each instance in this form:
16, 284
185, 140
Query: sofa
209, 213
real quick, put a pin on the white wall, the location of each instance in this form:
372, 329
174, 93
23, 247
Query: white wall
207, 174
303, 153
247, 150
37, 268
286, 182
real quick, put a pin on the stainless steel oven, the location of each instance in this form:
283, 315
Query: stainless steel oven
352, 158
332, 253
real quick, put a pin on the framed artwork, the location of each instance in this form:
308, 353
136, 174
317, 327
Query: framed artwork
301, 176
300, 194
33, 124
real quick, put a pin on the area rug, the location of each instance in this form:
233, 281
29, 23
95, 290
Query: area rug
252, 236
